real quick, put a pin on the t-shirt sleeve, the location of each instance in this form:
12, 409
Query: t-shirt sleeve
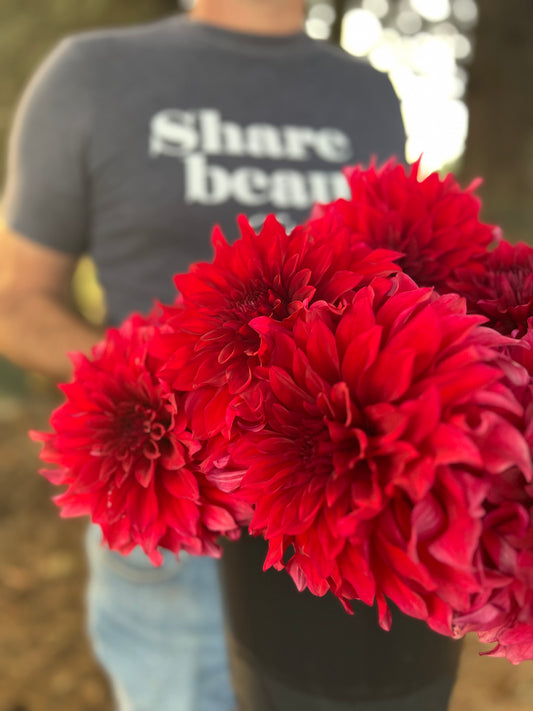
46, 192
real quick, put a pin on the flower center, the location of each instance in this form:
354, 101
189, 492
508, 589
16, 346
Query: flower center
254, 303
307, 449
135, 424
515, 279
314, 451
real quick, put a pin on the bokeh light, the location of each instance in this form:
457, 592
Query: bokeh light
379, 8
432, 10
320, 18
361, 30
424, 46
465, 11
409, 22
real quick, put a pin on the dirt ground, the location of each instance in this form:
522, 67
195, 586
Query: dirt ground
45, 658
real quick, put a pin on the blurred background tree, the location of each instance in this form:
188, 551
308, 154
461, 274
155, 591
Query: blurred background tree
500, 137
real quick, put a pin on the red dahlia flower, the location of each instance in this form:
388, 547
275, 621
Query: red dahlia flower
503, 289
502, 612
432, 222
124, 449
271, 274
386, 424
377, 436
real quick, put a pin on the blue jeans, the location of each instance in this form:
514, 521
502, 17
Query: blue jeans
158, 632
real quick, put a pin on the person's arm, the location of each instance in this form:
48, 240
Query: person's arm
37, 325
45, 213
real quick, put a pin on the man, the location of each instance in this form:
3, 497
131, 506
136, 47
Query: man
129, 145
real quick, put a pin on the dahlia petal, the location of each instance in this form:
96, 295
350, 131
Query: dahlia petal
424, 414
216, 518
439, 617
309, 504
404, 597
56, 476
322, 352
183, 516
206, 409
285, 389
181, 484
144, 471
427, 520
422, 333
301, 570
399, 560
304, 374
359, 355
358, 319
117, 535
238, 377
502, 446
73, 506
207, 547
155, 556
339, 284
203, 373
275, 553
227, 480
452, 445
335, 489
87, 478
390, 422
150, 539
172, 454
300, 281
356, 570
455, 543
384, 613
473, 377
389, 377
395, 313
142, 506
290, 522
516, 644
227, 353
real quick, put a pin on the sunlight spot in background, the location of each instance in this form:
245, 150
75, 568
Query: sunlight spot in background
409, 22
465, 11
432, 10
361, 31
379, 8
424, 46
320, 18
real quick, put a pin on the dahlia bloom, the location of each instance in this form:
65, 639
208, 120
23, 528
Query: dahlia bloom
386, 424
502, 290
502, 612
432, 222
315, 387
209, 341
123, 447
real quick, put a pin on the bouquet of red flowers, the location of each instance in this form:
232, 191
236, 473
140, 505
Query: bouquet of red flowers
358, 392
